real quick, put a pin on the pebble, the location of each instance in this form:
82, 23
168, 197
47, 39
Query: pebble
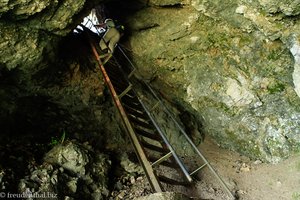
241, 192
122, 194
132, 180
72, 185
119, 185
54, 179
245, 168
257, 162
279, 183
61, 169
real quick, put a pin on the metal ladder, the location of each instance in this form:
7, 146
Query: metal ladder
150, 142
160, 104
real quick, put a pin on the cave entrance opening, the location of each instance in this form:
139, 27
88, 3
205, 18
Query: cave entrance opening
96, 16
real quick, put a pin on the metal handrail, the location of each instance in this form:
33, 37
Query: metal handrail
131, 64
163, 136
161, 133
189, 140
184, 133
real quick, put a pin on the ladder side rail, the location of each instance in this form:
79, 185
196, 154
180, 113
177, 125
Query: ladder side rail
137, 146
190, 141
163, 136
124, 54
122, 70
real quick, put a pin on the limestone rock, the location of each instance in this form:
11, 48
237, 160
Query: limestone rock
25, 36
19, 47
71, 175
235, 71
289, 7
130, 166
295, 50
69, 156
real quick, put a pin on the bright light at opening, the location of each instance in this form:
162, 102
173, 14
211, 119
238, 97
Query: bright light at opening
90, 21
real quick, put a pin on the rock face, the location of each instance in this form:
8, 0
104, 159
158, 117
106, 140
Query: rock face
29, 29
70, 171
235, 64
47, 76
289, 8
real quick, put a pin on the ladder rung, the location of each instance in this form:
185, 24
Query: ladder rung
120, 90
165, 163
129, 96
134, 112
134, 106
125, 91
154, 147
198, 169
137, 127
131, 73
155, 106
133, 102
160, 160
142, 119
146, 134
137, 121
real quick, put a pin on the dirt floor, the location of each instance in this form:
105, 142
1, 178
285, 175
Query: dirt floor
254, 180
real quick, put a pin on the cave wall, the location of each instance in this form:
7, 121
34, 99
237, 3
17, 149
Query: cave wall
49, 82
30, 29
234, 63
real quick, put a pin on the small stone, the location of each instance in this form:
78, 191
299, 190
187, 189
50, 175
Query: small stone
278, 183
212, 190
97, 195
72, 185
132, 180
122, 195
241, 9
54, 179
245, 168
241, 192
119, 185
49, 167
68, 198
257, 162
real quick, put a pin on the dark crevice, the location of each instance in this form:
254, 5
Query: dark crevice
148, 27
173, 6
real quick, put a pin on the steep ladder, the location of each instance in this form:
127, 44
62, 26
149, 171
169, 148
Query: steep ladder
151, 144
